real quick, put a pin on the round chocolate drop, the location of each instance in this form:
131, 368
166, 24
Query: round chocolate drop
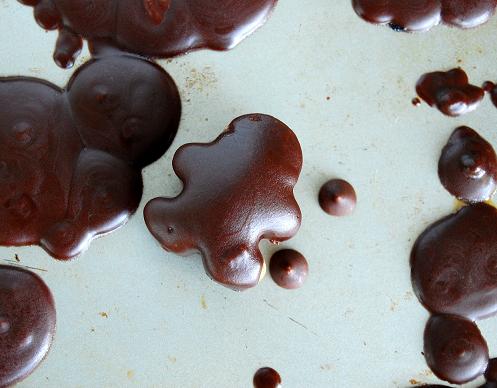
455, 349
288, 268
267, 378
27, 323
337, 198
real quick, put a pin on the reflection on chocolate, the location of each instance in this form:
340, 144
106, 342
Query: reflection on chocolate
70, 160
27, 323
158, 28
267, 378
450, 92
468, 166
337, 198
421, 15
454, 264
237, 191
454, 349
288, 268
491, 89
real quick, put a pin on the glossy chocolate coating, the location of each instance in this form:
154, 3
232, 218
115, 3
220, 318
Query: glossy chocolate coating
158, 28
454, 264
421, 15
450, 92
337, 198
454, 349
27, 323
267, 378
288, 268
237, 190
70, 159
468, 166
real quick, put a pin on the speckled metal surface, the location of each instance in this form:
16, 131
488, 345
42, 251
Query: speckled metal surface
129, 314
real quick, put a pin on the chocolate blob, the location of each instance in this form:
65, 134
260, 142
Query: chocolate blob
267, 378
157, 28
422, 15
450, 92
237, 190
491, 89
27, 323
70, 160
337, 198
454, 264
454, 349
468, 166
288, 268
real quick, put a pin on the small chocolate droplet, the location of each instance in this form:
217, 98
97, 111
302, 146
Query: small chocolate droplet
267, 378
288, 268
337, 198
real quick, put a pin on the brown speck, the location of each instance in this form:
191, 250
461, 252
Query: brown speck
103, 314
203, 303
414, 382
16, 257
416, 101
130, 374
328, 98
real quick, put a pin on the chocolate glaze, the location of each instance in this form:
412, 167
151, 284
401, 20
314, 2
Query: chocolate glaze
288, 268
454, 349
158, 28
237, 191
267, 378
337, 198
468, 166
421, 15
27, 323
454, 264
70, 159
450, 92
491, 89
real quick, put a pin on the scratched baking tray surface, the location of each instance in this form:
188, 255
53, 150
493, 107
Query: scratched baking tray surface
130, 314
